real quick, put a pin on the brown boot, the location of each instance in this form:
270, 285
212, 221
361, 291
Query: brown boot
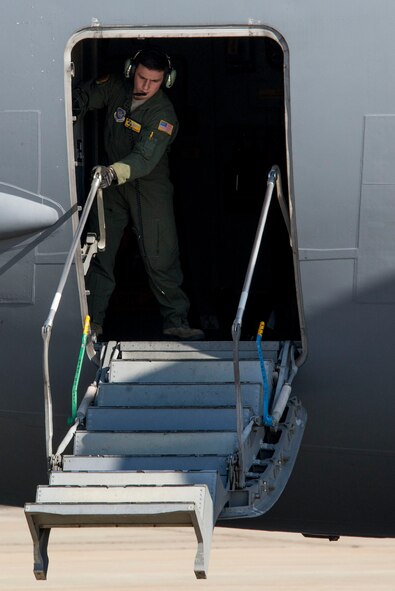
184, 333
96, 332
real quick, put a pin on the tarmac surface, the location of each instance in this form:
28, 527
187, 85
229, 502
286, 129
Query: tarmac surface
162, 559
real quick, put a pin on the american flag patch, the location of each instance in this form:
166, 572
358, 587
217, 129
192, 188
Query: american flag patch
165, 126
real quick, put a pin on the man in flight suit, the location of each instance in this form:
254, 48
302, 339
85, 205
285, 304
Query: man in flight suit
140, 126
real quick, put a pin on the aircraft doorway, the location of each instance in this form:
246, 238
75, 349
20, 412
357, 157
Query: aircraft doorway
230, 100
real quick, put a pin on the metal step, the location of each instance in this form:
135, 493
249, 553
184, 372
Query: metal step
72, 486
105, 494
185, 372
131, 478
163, 419
112, 463
143, 444
202, 349
92, 506
180, 395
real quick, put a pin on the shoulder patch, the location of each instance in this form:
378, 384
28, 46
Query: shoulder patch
103, 80
166, 127
120, 115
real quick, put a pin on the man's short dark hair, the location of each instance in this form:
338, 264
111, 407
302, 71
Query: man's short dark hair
153, 59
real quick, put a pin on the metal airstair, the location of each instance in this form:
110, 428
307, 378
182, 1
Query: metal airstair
173, 434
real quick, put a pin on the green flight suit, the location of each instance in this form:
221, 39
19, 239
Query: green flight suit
137, 144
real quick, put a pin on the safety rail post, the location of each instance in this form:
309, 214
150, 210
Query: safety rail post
47, 327
274, 178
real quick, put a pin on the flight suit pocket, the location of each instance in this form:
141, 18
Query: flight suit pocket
148, 146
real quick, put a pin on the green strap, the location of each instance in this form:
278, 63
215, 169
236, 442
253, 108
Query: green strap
74, 391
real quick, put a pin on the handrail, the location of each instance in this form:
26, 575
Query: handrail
47, 327
101, 244
273, 180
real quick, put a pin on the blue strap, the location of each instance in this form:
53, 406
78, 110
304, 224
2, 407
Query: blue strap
267, 419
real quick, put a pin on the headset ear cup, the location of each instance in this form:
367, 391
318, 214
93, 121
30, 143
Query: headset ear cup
130, 65
170, 78
128, 68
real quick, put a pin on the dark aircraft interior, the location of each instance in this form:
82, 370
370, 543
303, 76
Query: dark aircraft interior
230, 100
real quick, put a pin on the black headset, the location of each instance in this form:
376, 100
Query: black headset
132, 63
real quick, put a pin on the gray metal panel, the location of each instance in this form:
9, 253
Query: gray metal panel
377, 216
185, 372
378, 159
140, 395
199, 443
376, 262
158, 462
17, 284
20, 131
318, 272
163, 419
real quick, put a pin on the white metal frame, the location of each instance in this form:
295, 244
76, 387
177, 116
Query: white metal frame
96, 31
